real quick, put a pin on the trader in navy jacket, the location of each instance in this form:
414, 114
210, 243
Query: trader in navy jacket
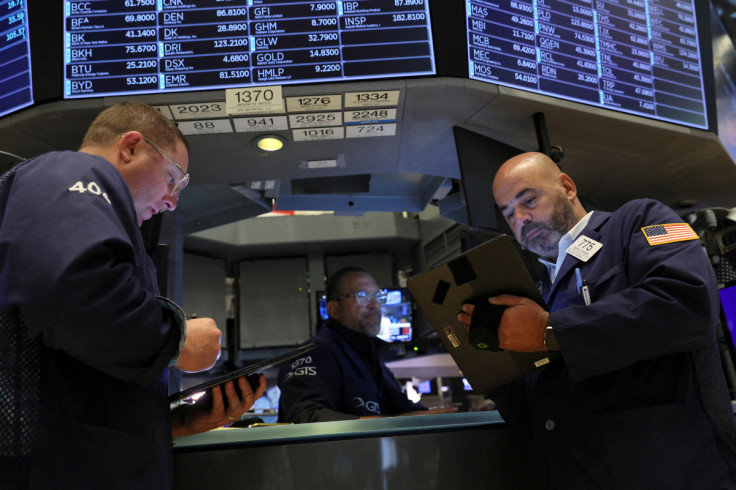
344, 377
85, 338
639, 400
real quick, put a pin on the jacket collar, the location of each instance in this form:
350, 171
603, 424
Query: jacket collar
367, 347
592, 231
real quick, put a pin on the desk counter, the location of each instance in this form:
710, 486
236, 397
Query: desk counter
443, 451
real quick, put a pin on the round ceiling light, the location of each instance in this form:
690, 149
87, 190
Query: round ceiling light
269, 142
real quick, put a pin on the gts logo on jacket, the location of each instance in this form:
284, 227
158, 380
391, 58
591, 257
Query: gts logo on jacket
302, 371
370, 406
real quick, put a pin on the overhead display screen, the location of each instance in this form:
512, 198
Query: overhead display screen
15, 57
116, 47
636, 56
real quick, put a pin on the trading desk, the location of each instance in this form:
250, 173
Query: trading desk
444, 451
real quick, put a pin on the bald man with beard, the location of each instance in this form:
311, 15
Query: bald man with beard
639, 399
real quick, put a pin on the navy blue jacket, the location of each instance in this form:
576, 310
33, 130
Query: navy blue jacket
73, 263
334, 380
640, 400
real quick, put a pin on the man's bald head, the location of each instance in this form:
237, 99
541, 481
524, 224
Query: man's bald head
529, 163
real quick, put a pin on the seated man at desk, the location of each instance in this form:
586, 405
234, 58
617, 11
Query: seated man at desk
344, 377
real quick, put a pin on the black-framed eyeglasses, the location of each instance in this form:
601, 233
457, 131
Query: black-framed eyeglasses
179, 184
364, 298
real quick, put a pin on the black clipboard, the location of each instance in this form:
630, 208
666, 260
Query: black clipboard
492, 268
254, 368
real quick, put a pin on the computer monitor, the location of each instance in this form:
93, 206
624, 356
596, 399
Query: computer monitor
397, 314
16, 89
651, 59
728, 308
129, 48
479, 157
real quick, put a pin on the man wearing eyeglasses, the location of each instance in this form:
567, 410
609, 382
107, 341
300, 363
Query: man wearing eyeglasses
344, 377
85, 338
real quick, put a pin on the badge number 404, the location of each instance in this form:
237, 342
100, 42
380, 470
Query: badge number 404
91, 187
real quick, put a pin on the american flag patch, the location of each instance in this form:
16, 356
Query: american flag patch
673, 232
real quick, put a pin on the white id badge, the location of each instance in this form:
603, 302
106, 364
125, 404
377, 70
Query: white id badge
584, 248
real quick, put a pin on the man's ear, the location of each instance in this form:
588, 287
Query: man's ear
568, 186
127, 145
333, 309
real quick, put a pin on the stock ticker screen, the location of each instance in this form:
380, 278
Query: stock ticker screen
117, 47
641, 57
16, 89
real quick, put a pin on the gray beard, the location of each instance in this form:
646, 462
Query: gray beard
546, 244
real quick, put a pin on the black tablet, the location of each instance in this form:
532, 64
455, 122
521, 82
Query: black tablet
254, 368
489, 269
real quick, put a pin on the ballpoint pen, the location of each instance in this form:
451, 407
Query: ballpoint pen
586, 293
